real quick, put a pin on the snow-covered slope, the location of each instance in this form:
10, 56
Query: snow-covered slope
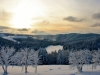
52, 70
9, 38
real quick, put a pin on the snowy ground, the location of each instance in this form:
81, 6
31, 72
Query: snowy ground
53, 48
52, 70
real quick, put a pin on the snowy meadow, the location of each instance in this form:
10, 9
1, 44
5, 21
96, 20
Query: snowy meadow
28, 62
52, 70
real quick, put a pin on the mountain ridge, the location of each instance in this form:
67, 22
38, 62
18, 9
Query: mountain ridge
68, 41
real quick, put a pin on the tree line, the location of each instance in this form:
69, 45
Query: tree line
29, 57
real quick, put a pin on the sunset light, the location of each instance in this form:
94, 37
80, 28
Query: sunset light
25, 12
49, 37
51, 16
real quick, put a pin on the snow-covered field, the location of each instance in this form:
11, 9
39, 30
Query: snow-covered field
53, 48
52, 70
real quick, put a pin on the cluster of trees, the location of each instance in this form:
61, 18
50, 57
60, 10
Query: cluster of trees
75, 58
84, 57
29, 57
54, 58
24, 58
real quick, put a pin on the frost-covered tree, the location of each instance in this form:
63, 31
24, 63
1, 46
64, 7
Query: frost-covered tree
36, 58
79, 58
96, 58
6, 57
24, 58
27, 57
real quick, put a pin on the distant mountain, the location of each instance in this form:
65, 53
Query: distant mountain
75, 40
23, 41
46, 37
76, 37
69, 41
67, 37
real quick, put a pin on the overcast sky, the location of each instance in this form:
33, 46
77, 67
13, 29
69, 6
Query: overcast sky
50, 16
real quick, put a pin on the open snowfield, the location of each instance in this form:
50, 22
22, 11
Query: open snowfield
52, 70
53, 48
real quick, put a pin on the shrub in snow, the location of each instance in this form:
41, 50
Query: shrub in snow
6, 57
79, 58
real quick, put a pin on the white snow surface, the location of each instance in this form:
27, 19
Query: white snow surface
9, 38
53, 48
52, 70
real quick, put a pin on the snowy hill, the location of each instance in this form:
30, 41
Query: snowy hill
74, 40
13, 37
68, 41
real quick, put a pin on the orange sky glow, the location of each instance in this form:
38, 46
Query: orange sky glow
50, 16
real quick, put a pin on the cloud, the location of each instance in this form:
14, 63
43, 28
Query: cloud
73, 19
96, 25
4, 27
96, 16
38, 32
24, 29
45, 22
41, 23
5, 17
53, 17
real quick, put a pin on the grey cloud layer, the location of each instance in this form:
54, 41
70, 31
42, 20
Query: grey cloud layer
96, 25
4, 27
96, 16
73, 19
24, 29
37, 31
